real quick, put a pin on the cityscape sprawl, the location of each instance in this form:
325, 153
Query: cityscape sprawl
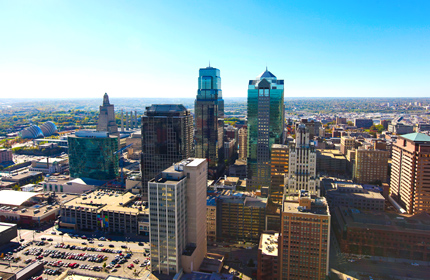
265, 187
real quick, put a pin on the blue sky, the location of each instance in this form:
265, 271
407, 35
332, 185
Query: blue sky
155, 48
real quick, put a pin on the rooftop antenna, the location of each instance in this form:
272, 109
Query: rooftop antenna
209, 63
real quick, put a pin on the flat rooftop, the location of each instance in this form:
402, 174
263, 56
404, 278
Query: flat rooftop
109, 200
319, 206
269, 244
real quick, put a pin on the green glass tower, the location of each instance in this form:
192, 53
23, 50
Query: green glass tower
265, 126
209, 114
91, 155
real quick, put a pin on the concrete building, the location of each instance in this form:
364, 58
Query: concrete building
227, 183
382, 234
304, 241
177, 201
363, 123
399, 128
331, 162
7, 232
267, 263
105, 210
241, 218
410, 183
167, 137
50, 165
346, 143
279, 172
243, 143
370, 166
340, 120
354, 196
107, 120
5, 156
92, 155
302, 164
65, 184
265, 126
209, 117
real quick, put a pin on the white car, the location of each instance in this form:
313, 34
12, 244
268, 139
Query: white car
101, 245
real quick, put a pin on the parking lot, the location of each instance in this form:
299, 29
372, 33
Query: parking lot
78, 253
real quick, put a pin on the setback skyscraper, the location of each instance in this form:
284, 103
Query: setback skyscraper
167, 137
107, 120
209, 114
265, 126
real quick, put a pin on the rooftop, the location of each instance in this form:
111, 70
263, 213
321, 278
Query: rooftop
15, 198
269, 244
416, 137
319, 206
106, 199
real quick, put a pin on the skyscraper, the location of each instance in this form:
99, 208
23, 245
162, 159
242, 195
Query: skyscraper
167, 137
177, 214
410, 183
209, 114
302, 163
265, 126
107, 120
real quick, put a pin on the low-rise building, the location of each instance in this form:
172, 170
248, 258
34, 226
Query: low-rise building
63, 184
382, 234
353, 196
50, 165
106, 210
331, 162
5, 155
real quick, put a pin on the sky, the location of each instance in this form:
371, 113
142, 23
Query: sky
79, 49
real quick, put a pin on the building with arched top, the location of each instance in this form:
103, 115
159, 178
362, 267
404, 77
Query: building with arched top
31, 132
48, 128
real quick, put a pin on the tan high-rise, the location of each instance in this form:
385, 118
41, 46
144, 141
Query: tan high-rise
410, 180
243, 143
347, 143
304, 241
279, 172
371, 166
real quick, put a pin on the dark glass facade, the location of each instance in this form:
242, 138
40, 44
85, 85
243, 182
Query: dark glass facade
93, 157
209, 114
265, 126
167, 135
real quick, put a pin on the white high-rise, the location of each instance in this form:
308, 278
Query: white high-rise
302, 164
177, 214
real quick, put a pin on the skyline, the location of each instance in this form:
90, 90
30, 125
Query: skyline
128, 49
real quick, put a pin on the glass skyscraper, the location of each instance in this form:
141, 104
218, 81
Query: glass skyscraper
265, 126
209, 115
91, 155
167, 137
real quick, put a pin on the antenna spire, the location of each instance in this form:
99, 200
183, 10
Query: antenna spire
209, 63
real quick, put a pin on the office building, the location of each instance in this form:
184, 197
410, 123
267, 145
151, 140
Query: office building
370, 166
304, 240
279, 172
363, 123
353, 196
209, 114
346, 143
92, 155
167, 137
399, 128
331, 162
241, 218
109, 211
265, 126
340, 120
107, 120
410, 166
243, 142
7, 232
6, 156
177, 210
302, 164
382, 234
267, 263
